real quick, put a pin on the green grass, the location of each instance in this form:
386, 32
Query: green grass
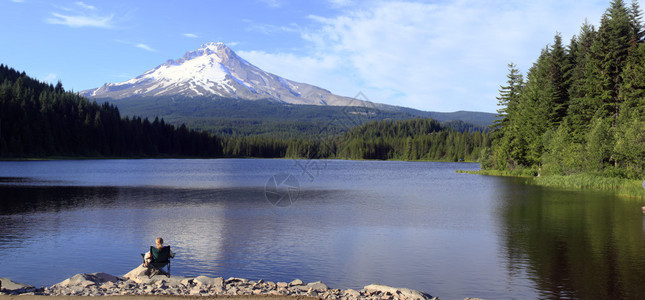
504, 173
622, 187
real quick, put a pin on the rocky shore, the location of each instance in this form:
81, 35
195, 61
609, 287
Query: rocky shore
137, 283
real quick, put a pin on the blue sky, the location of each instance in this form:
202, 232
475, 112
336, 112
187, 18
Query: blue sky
430, 55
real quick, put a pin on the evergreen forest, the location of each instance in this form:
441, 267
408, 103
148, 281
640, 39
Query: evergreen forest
580, 109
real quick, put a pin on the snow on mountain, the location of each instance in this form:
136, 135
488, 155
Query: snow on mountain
215, 70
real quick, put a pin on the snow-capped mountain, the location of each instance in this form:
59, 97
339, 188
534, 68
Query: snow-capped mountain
215, 70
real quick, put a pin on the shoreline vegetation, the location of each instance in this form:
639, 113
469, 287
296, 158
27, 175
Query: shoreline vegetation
138, 283
576, 119
623, 187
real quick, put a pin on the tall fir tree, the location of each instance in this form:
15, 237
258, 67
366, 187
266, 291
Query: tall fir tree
502, 130
610, 52
558, 80
581, 87
636, 22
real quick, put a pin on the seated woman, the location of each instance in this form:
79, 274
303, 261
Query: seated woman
148, 257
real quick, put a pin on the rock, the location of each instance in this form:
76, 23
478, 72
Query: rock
11, 286
195, 291
299, 288
296, 282
86, 280
209, 282
282, 284
138, 275
232, 291
352, 293
374, 289
318, 286
187, 282
108, 285
137, 272
236, 280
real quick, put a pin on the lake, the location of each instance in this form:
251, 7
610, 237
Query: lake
418, 225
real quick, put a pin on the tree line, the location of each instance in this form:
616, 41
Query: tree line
43, 120
581, 107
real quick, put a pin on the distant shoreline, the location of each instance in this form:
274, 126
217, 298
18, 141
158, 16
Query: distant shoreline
72, 158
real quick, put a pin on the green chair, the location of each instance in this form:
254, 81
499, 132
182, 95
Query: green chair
160, 259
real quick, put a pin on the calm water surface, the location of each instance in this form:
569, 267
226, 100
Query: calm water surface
410, 224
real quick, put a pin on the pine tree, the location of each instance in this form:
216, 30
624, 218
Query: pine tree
557, 79
507, 100
610, 51
582, 84
635, 20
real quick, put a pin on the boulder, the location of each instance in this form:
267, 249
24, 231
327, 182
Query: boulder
7, 285
139, 275
187, 282
402, 292
139, 271
85, 280
235, 280
318, 286
209, 282
296, 282
352, 293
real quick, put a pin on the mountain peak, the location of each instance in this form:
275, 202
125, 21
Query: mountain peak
213, 46
214, 70
219, 50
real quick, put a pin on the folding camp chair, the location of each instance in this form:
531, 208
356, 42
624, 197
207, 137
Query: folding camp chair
159, 260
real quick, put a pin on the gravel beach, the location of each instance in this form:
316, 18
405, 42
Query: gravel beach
136, 285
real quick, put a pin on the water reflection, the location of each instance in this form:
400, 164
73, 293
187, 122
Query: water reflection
233, 231
585, 245
413, 224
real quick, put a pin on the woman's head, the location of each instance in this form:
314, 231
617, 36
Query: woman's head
159, 243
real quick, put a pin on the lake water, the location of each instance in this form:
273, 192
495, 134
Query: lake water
418, 225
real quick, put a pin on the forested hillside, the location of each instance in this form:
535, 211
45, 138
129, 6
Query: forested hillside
42, 120
581, 107
267, 118
418, 139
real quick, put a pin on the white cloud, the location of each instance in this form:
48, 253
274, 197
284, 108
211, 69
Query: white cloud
307, 69
145, 47
85, 6
81, 20
18, 1
138, 45
50, 78
190, 35
444, 56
